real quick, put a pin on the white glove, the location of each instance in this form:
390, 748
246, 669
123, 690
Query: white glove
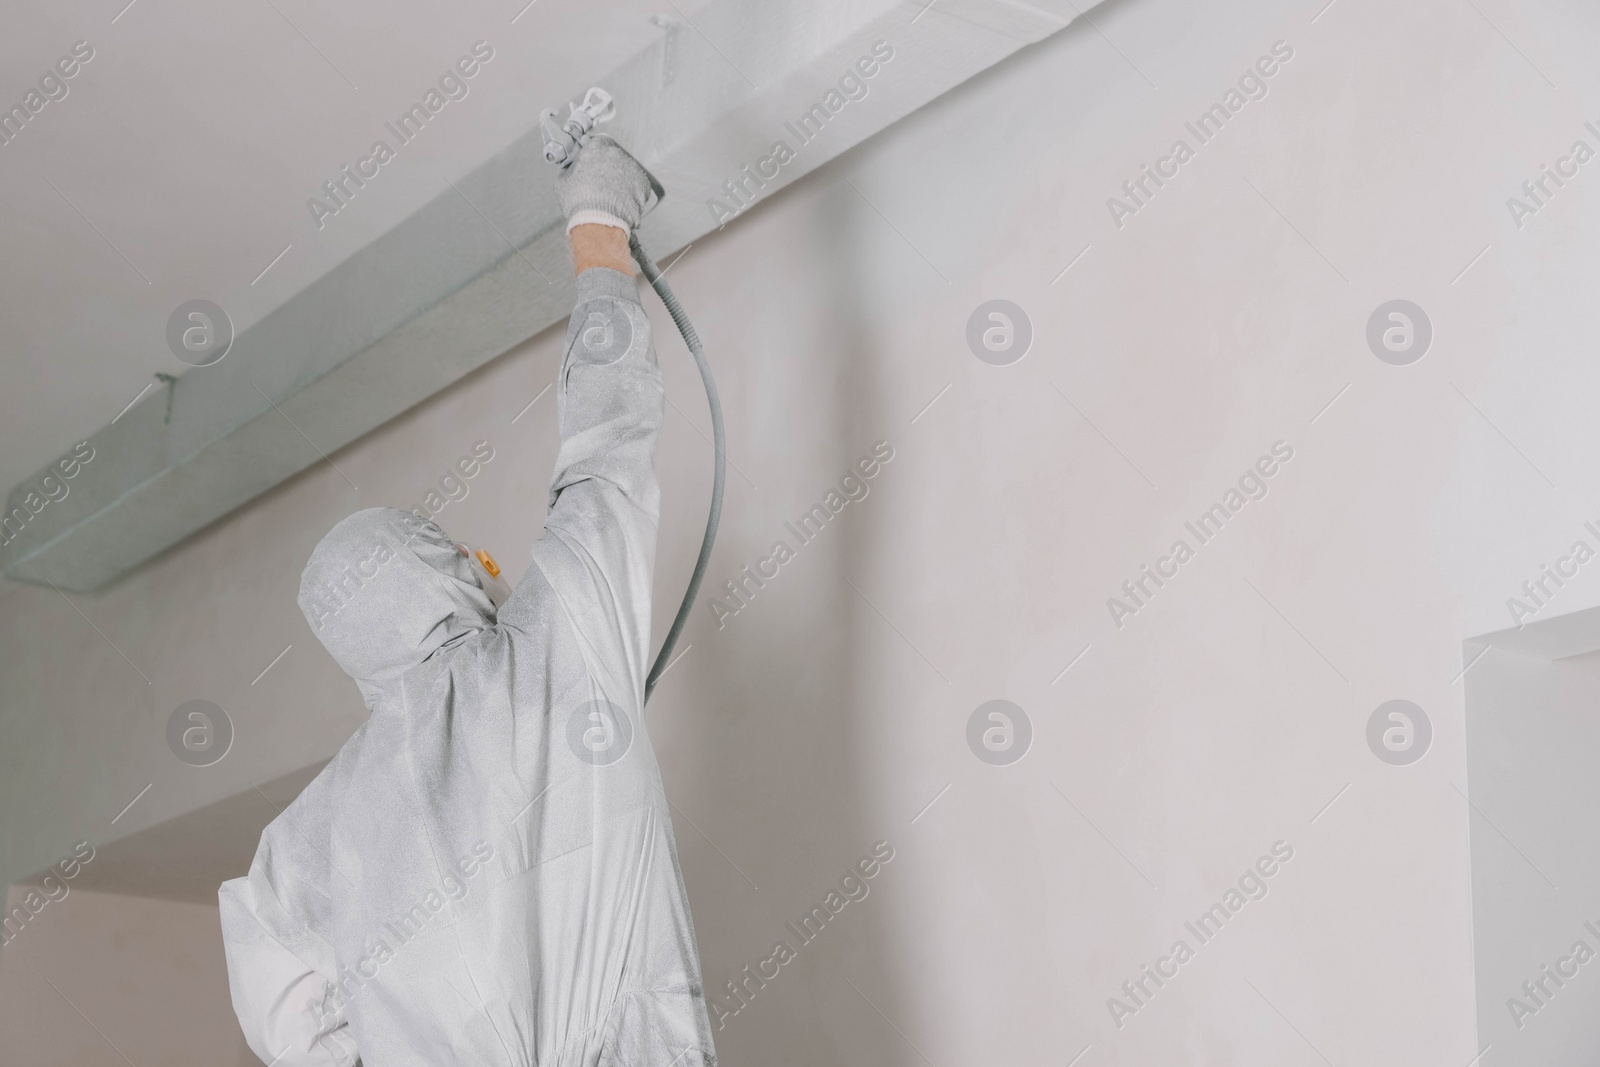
606, 186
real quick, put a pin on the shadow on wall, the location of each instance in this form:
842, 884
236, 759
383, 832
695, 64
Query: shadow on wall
774, 716
149, 971
777, 730
126, 937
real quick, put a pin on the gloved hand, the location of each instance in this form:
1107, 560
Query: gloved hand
606, 185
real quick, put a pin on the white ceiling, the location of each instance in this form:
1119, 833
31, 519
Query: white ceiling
180, 161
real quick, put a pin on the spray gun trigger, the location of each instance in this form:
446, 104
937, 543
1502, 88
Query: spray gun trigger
558, 144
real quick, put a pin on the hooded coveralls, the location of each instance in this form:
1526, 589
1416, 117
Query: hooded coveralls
486, 873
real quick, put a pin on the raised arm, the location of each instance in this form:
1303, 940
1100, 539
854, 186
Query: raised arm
598, 550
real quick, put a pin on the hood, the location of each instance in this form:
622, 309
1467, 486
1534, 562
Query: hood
384, 590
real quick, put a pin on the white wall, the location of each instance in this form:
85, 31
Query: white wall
826, 715
1531, 738
102, 980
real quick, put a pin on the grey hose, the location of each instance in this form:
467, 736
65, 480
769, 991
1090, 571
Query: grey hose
690, 338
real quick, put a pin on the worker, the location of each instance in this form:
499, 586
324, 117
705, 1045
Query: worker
485, 873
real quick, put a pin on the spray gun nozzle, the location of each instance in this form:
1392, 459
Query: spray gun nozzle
563, 139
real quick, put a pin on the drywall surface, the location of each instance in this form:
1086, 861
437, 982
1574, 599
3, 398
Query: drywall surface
149, 974
1170, 755
477, 269
184, 156
1532, 734
187, 857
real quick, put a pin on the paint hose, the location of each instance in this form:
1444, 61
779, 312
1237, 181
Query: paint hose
719, 469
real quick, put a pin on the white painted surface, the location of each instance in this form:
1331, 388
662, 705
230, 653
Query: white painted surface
190, 144
148, 973
1532, 734
478, 269
1551, 637
1177, 750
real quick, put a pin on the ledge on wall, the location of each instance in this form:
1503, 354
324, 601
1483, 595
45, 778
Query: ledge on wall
1573, 634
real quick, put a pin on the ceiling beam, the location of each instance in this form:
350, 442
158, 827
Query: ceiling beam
483, 266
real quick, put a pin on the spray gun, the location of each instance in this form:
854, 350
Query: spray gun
562, 143
562, 140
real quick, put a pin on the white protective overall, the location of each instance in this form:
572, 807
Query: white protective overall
486, 873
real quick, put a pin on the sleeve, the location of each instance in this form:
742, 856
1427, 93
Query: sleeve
598, 549
291, 1015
